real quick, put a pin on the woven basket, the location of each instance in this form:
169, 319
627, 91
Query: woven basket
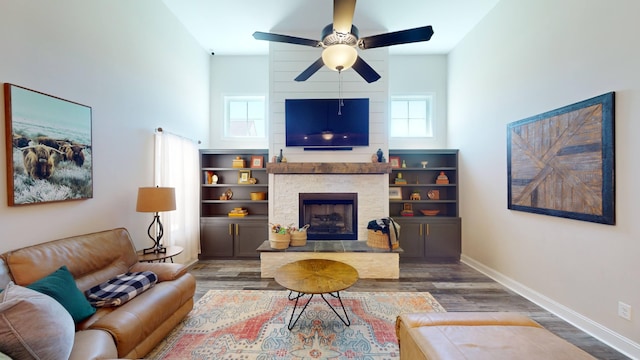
298, 238
280, 241
379, 240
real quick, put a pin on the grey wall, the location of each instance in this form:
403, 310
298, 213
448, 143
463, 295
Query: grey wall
523, 59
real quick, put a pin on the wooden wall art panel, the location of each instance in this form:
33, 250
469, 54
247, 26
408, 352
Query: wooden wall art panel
561, 163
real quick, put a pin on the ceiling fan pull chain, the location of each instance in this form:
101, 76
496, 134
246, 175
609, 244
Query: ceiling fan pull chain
340, 102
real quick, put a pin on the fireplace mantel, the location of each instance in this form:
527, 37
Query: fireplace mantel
329, 168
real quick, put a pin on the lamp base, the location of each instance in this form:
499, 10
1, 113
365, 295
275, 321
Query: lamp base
156, 248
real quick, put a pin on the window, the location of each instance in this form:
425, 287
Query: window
244, 117
411, 116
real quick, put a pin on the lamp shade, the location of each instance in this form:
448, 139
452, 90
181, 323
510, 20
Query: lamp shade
339, 57
155, 199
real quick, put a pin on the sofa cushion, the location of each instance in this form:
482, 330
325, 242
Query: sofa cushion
93, 344
480, 336
61, 286
33, 325
121, 289
91, 258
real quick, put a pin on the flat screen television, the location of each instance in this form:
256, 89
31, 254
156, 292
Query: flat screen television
327, 123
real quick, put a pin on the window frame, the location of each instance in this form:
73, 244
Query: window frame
430, 113
227, 99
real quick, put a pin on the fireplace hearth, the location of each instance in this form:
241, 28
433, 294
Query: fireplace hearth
331, 216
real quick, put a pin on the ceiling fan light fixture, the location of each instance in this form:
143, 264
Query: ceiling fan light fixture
339, 57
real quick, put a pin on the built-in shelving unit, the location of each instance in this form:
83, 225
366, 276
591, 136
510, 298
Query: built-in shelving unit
221, 235
426, 237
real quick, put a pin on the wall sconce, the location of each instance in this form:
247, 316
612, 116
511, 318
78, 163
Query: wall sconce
156, 199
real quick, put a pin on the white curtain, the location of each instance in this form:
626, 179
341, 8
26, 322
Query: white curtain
176, 165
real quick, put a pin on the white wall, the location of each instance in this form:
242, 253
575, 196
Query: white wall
421, 75
134, 64
288, 61
250, 75
525, 58
232, 76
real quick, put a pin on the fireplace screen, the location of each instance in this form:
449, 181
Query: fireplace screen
331, 216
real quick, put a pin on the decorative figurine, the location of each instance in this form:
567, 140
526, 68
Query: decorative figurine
380, 155
442, 178
399, 180
279, 159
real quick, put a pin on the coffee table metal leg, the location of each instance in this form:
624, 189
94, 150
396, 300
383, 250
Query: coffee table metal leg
345, 320
337, 296
295, 306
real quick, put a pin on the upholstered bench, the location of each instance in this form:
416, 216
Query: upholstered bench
479, 336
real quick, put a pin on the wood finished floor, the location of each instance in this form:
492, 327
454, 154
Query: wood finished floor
456, 286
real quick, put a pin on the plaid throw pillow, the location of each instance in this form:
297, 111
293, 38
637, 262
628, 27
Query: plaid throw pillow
121, 289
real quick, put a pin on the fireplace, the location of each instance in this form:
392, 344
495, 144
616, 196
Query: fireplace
370, 181
331, 216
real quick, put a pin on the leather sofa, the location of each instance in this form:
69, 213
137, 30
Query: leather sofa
130, 330
479, 336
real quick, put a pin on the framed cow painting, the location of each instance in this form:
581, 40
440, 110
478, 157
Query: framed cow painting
49, 155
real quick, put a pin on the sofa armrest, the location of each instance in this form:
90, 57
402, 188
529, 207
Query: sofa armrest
165, 271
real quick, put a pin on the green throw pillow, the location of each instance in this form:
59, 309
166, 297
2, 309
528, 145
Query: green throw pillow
61, 286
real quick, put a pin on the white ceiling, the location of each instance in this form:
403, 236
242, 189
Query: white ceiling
226, 27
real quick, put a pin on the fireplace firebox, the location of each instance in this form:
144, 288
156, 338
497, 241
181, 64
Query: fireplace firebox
331, 216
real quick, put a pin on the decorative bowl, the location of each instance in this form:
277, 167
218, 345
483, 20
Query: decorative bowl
430, 212
258, 195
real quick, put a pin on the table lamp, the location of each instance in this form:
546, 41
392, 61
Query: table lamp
156, 199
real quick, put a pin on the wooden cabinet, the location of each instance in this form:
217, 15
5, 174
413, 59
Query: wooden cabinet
231, 238
222, 235
419, 182
430, 239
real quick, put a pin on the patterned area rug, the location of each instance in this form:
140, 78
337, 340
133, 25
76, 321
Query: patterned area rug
252, 324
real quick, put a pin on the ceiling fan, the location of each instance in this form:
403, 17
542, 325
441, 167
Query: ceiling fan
340, 39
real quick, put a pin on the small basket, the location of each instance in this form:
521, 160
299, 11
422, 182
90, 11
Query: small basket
298, 238
280, 241
379, 240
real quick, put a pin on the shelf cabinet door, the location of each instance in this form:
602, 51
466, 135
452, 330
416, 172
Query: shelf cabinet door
442, 239
216, 238
249, 235
411, 240
436, 238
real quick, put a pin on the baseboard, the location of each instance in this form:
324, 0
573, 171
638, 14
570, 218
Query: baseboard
191, 263
620, 343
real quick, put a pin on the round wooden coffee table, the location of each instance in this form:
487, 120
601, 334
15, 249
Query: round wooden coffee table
316, 276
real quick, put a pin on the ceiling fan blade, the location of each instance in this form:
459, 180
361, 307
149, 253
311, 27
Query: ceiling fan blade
398, 37
258, 35
343, 15
310, 70
366, 71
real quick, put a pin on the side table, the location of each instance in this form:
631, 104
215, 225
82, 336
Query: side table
160, 257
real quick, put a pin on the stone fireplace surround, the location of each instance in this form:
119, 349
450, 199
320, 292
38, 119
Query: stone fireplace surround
369, 180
